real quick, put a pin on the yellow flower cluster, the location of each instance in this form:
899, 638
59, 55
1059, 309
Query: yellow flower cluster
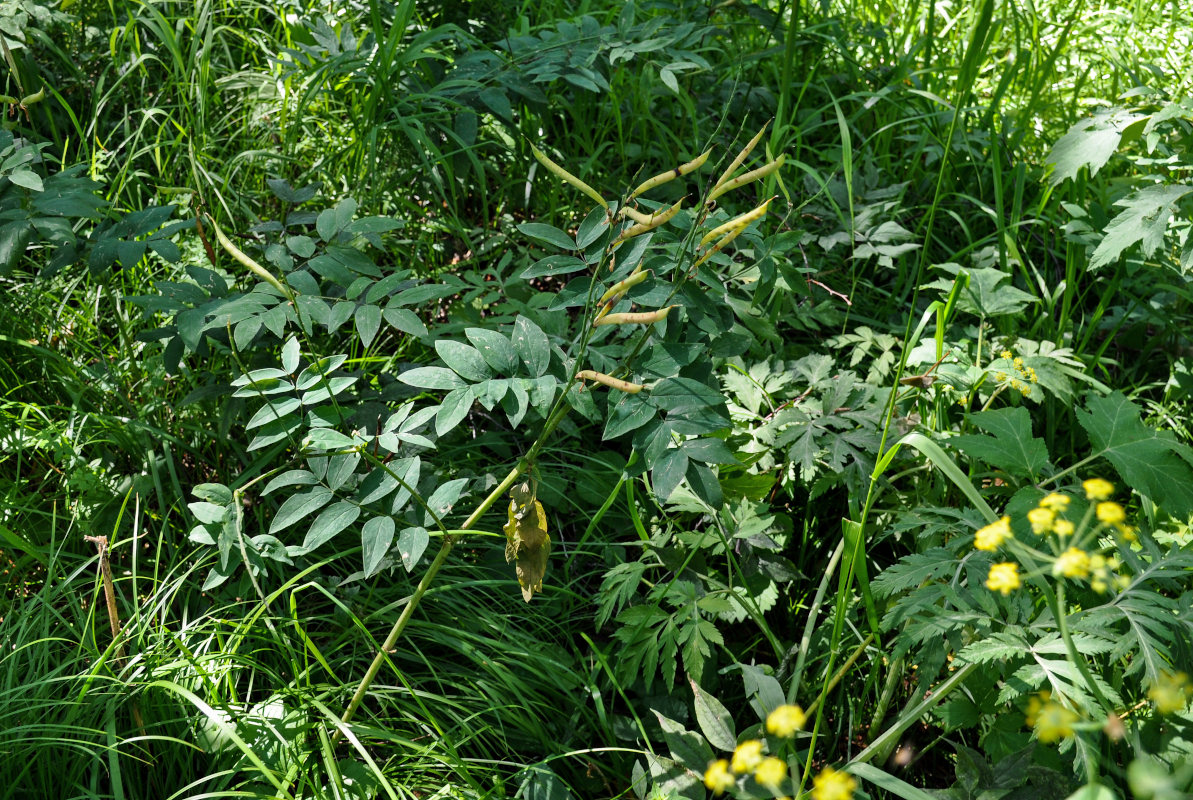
993, 535
1051, 720
833, 785
1171, 692
1003, 578
721, 775
786, 720
1024, 375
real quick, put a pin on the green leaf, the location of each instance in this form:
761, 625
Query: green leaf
293, 477
686, 747
714, 719
30, 180
884, 780
412, 543
1010, 446
208, 513
532, 346
630, 413
432, 378
464, 360
1090, 143
668, 472
683, 395
443, 498
274, 410
1144, 219
368, 322
453, 409
375, 537
557, 264
495, 349
298, 506
704, 483
340, 468
333, 520
290, 353
406, 321
1152, 462
548, 234
213, 492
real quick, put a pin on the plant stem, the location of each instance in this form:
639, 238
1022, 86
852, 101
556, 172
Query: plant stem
428, 578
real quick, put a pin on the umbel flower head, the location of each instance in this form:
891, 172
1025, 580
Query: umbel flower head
1051, 720
992, 536
1003, 578
786, 720
747, 756
718, 778
833, 785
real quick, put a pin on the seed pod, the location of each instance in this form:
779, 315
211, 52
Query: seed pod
746, 177
621, 287
567, 177
733, 234
655, 220
741, 157
683, 169
737, 222
608, 380
526, 539
36, 97
252, 265
9, 99
634, 317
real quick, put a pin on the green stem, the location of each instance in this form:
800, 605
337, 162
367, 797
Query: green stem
449, 541
1058, 603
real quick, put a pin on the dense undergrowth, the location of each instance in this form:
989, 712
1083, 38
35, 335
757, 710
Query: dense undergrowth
320, 479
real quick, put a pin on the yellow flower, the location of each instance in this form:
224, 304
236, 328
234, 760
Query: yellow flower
1041, 519
1127, 532
1098, 489
1171, 692
993, 535
1056, 502
771, 772
1111, 513
833, 785
1062, 527
1003, 578
1052, 721
1006, 354
718, 778
747, 756
1073, 563
786, 720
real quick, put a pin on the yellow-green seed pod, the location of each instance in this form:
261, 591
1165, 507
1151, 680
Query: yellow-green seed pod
610, 381
719, 246
656, 220
671, 174
9, 99
567, 177
741, 157
36, 97
737, 222
634, 317
746, 177
623, 286
252, 265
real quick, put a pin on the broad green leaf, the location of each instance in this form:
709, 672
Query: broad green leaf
668, 472
595, 224
273, 410
1010, 445
453, 409
1090, 143
333, 520
410, 470
553, 265
208, 513
417, 295
299, 506
682, 395
375, 537
709, 451
368, 322
1144, 219
275, 431
704, 483
340, 468
464, 360
318, 372
714, 719
290, 353
376, 485
532, 346
444, 498
293, 477
327, 439
406, 321
213, 492
432, 378
686, 747
1152, 462
412, 543
548, 234
495, 349
30, 180
630, 413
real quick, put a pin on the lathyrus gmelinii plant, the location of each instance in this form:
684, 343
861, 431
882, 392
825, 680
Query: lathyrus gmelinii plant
382, 476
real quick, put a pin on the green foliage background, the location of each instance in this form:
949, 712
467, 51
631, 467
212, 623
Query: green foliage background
289, 306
